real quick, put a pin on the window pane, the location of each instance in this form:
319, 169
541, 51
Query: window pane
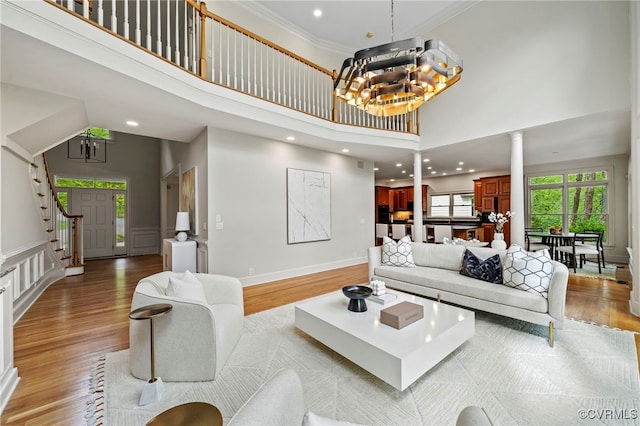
591, 176
546, 208
463, 205
440, 205
545, 180
120, 223
90, 183
588, 208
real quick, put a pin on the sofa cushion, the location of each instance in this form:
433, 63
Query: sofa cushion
528, 271
397, 253
187, 287
489, 269
453, 282
442, 256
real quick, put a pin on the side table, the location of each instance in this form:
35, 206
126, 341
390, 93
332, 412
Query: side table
189, 414
154, 388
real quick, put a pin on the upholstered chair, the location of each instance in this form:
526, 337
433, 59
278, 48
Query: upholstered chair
194, 340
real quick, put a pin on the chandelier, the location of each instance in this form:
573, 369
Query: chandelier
397, 77
88, 147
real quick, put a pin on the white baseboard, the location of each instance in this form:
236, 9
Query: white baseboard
305, 270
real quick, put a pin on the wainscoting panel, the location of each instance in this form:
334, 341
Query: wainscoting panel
144, 241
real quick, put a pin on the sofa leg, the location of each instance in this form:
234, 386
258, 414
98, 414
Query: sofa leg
551, 337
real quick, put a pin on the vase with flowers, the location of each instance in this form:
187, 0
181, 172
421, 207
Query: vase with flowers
498, 237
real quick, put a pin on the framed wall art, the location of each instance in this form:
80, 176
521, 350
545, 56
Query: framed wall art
308, 206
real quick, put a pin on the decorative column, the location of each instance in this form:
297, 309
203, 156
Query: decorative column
417, 198
517, 190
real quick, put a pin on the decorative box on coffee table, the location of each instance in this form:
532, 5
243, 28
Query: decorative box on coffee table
402, 314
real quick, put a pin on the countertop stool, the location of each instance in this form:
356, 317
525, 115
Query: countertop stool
189, 414
154, 388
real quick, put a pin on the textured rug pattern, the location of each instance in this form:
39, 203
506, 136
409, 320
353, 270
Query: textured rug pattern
590, 270
507, 368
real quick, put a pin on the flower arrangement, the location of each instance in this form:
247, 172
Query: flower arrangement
500, 219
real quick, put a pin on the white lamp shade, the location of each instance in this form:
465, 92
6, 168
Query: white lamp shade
182, 221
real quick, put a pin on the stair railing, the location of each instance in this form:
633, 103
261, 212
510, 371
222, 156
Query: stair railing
187, 34
64, 229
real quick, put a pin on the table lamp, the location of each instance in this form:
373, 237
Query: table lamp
182, 226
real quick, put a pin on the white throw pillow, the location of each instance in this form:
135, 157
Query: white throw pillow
528, 271
187, 287
311, 419
397, 254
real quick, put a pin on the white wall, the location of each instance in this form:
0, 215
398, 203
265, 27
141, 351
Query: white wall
21, 224
634, 163
536, 74
247, 181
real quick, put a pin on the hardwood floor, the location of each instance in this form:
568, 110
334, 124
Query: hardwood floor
81, 318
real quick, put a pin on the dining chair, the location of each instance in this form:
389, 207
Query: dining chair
591, 241
424, 234
535, 243
398, 230
440, 232
382, 230
576, 251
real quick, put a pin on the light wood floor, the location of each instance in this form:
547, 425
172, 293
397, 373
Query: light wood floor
81, 318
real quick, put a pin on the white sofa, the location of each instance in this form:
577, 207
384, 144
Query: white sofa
437, 275
194, 340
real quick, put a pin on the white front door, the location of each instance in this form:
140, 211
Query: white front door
96, 205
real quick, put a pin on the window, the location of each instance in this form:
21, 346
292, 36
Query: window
452, 205
575, 201
90, 183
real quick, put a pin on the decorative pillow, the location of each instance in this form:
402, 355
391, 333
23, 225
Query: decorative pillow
528, 271
187, 287
397, 254
489, 269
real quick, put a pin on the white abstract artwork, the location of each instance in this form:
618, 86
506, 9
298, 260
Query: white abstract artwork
308, 206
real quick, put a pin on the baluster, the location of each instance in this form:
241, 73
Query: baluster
185, 46
85, 9
100, 13
235, 60
261, 70
242, 37
126, 19
227, 70
114, 18
137, 30
168, 55
158, 31
70, 5
176, 57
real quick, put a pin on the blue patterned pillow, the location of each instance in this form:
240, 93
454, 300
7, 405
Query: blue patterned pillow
489, 269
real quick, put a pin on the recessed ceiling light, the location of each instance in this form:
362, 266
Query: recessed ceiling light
444, 174
426, 160
429, 168
399, 165
291, 138
411, 175
132, 123
317, 13
458, 168
345, 150
375, 169
392, 180
461, 163
472, 170
404, 171
433, 172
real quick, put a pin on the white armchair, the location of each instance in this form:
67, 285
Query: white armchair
194, 340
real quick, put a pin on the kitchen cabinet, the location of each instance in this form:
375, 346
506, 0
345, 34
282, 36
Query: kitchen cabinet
382, 196
477, 194
401, 199
179, 255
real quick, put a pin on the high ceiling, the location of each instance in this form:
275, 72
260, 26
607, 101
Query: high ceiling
343, 24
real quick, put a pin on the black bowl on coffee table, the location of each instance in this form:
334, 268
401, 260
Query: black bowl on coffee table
357, 294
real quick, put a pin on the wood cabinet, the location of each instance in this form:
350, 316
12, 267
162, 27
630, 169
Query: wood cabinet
382, 196
493, 194
402, 199
477, 194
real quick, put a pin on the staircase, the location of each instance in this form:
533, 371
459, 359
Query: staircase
63, 229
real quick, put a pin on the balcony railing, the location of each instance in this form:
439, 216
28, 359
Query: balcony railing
187, 34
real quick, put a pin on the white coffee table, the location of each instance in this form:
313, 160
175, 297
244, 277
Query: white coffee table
399, 357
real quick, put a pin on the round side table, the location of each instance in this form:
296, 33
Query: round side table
189, 414
154, 388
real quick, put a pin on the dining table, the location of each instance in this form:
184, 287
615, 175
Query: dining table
555, 240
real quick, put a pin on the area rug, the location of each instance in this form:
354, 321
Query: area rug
590, 270
507, 368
